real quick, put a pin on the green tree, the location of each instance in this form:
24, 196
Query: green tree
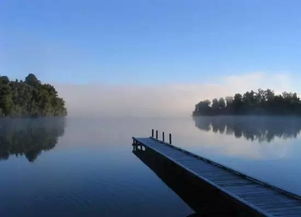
6, 102
30, 98
221, 104
32, 80
251, 102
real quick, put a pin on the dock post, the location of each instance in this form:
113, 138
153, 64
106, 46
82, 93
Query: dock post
170, 138
163, 137
156, 134
152, 133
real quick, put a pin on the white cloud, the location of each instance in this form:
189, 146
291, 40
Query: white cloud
161, 100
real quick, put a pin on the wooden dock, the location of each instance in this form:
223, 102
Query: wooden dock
246, 193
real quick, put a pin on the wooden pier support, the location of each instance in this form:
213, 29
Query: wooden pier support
249, 194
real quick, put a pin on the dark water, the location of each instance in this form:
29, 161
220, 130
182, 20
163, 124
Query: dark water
86, 167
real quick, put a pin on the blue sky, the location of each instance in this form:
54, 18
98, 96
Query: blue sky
148, 41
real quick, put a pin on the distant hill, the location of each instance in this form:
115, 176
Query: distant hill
29, 98
262, 102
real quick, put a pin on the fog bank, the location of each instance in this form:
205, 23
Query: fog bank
103, 100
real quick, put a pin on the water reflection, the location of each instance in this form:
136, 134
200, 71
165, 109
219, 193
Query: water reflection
200, 197
254, 128
29, 137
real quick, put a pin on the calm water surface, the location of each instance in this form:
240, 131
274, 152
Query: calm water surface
85, 167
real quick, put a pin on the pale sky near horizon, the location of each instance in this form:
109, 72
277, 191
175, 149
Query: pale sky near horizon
151, 43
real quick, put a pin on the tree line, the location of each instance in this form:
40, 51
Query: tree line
29, 98
261, 102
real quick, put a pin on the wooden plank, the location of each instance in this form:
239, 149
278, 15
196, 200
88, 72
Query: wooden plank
261, 197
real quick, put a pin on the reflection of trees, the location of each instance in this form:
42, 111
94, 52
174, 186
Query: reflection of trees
260, 128
29, 137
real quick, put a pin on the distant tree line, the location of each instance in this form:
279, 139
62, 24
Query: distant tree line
262, 102
29, 98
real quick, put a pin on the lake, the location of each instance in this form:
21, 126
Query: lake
86, 167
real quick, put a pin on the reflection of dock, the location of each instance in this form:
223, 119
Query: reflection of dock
229, 191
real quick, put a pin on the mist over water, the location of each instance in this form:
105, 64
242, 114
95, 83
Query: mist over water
161, 100
85, 166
